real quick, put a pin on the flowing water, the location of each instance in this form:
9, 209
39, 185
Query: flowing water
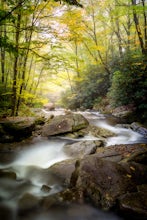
31, 167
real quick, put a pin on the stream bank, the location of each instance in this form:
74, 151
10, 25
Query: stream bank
54, 177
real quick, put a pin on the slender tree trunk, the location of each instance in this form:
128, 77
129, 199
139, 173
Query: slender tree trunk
29, 73
70, 83
38, 81
2, 50
76, 59
15, 67
3, 64
119, 38
28, 41
138, 29
145, 23
93, 35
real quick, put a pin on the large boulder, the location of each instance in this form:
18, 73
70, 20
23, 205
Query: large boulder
49, 106
101, 181
126, 113
16, 129
64, 169
103, 178
63, 124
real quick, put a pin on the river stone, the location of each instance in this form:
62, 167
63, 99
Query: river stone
64, 123
101, 181
6, 212
98, 132
139, 128
49, 106
45, 188
82, 148
134, 205
7, 174
123, 152
16, 128
27, 202
142, 188
63, 170
138, 157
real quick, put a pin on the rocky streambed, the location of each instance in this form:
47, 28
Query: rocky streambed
72, 166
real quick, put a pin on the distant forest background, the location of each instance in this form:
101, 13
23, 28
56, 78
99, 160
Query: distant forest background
78, 54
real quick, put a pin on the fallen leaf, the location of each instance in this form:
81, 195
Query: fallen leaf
128, 175
132, 168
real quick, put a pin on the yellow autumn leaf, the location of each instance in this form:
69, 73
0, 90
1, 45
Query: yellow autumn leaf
129, 176
142, 145
132, 168
109, 177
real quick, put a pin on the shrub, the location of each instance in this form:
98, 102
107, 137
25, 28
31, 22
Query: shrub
93, 85
129, 83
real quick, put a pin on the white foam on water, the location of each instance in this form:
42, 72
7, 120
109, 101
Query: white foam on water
42, 154
123, 135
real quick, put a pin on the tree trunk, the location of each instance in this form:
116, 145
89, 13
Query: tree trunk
15, 67
2, 50
138, 29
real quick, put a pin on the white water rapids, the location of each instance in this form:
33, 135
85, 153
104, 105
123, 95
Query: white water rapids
31, 166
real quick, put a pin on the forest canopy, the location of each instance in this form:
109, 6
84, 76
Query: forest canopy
79, 54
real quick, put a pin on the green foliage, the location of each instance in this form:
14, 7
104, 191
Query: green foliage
89, 90
129, 83
5, 100
7, 44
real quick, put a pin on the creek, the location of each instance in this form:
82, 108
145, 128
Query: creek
31, 168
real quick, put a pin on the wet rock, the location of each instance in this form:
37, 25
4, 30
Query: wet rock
75, 135
134, 205
40, 120
45, 188
6, 212
64, 123
27, 202
82, 148
106, 176
7, 174
140, 156
126, 113
142, 188
16, 128
7, 156
63, 170
49, 106
51, 201
98, 132
102, 181
122, 153
136, 172
139, 128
